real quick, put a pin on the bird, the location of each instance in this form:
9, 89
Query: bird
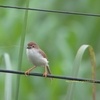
37, 57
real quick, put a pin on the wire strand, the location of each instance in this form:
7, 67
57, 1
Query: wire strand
68, 79
52, 11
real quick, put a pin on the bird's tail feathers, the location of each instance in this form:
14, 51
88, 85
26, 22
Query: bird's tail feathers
49, 72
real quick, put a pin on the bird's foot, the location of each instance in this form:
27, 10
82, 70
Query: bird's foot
27, 72
45, 74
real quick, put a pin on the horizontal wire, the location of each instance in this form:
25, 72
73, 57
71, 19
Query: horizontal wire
68, 79
52, 11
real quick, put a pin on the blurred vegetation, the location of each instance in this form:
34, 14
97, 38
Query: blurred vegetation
59, 36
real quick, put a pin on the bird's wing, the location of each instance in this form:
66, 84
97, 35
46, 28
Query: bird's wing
42, 53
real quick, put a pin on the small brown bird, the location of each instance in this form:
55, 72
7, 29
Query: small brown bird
37, 57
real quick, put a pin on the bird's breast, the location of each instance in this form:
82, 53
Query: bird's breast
36, 58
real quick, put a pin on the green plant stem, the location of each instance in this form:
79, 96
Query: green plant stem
21, 49
93, 64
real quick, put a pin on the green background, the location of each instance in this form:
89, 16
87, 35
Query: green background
60, 36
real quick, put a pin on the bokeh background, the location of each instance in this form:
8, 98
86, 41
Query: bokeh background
60, 36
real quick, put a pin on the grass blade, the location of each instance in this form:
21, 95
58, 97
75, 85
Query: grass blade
93, 65
8, 79
21, 49
76, 67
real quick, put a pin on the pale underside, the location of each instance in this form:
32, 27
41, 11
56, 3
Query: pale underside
36, 58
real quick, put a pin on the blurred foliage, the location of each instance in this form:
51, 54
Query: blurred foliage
59, 36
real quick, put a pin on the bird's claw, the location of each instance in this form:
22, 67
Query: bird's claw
45, 74
27, 72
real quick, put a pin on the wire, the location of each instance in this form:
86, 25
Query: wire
52, 76
52, 11
68, 79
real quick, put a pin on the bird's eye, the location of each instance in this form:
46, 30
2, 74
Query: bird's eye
33, 46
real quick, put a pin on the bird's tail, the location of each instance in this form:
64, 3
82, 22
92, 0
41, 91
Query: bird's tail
49, 72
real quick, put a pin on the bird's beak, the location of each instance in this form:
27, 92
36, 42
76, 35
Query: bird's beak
28, 47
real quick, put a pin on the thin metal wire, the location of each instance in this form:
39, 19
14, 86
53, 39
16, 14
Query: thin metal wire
52, 11
68, 79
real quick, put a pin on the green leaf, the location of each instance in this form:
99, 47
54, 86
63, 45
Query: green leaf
8, 78
76, 67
